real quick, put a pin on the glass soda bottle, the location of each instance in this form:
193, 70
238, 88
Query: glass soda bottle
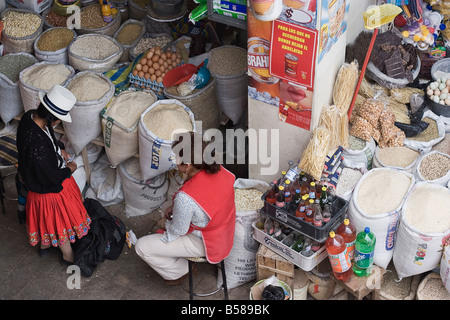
364, 249
287, 192
309, 211
323, 198
326, 214
339, 260
301, 209
271, 196
280, 197
317, 219
297, 198
347, 231
304, 186
312, 190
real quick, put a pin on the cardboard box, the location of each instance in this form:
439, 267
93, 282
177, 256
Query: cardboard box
33, 5
268, 264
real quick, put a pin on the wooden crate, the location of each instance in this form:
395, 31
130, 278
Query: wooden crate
268, 264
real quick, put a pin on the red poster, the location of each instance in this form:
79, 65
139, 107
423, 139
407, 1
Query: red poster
295, 105
293, 53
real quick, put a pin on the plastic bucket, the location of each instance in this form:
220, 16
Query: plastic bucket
286, 288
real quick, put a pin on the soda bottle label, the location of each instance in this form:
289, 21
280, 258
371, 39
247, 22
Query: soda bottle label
279, 204
317, 223
312, 195
351, 249
363, 260
340, 262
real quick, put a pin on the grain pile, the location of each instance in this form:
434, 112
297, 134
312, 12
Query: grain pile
55, 39
227, 61
20, 24
434, 166
45, 76
430, 133
434, 290
88, 87
443, 146
94, 47
12, 64
382, 191
174, 117
400, 157
129, 33
127, 107
248, 199
396, 289
91, 17
347, 180
149, 42
431, 215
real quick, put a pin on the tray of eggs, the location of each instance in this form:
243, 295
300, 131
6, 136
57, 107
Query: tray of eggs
152, 66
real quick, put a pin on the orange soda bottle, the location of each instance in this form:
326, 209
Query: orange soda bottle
347, 231
339, 259
301, 209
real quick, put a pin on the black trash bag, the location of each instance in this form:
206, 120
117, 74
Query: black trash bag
416, 126
271, 292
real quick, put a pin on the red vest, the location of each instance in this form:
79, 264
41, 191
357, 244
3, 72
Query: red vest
214, 193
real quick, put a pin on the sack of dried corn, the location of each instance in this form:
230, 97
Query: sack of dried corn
424, 229
240, 265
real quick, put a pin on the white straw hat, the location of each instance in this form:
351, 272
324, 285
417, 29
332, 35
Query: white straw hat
59, 101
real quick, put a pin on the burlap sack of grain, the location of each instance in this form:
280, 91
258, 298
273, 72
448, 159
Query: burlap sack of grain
107, 30
127, 47
203, 103
10, 100
30, 93
80, 63
122, 141
240, 265
23, 44
52, 56
155, 153
417, 251
141, 196
384, 224
86, 122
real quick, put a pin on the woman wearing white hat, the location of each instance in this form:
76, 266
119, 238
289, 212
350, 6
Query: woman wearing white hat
55, 214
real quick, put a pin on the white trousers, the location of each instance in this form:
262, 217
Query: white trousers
168, 259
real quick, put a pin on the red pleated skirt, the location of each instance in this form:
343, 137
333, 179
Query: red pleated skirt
54, 218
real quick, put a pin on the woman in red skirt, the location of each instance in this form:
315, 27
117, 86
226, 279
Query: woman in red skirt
55, 211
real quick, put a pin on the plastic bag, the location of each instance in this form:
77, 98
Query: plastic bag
272, 292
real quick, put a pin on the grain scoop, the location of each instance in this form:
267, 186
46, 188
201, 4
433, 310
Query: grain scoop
180, 74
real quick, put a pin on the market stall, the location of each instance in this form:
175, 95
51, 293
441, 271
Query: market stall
342, 124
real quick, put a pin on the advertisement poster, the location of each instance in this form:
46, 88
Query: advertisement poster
333, 24
293, 53
300, 12
295, 105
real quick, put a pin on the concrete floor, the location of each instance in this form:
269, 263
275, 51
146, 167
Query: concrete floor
24, 275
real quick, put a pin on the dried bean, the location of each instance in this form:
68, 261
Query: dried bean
55, 39
20, 24
55, 19
434, 166
91, 17
228, 61
12, 65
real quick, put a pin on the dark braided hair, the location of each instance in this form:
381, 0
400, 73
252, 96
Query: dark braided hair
43, 113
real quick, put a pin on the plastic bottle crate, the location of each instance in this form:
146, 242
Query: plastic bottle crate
338, 208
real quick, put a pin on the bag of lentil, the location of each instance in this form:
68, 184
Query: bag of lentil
228, 64
41, 76
52, 45
21, 29
10, 67
360, 154
424, 229
128, 35
376, 203
202, 102
401, 158
120, 124
155, 140
240, 265
93, 92
432, 135
433, 167
94, 52
141, 196
445, 267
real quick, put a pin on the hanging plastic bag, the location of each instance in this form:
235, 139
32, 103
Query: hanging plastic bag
199, 13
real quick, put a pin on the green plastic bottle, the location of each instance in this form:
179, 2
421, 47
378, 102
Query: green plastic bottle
364, 249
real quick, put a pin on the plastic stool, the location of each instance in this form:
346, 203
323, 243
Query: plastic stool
192, 260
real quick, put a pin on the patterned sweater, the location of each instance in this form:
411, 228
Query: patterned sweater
38, 162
